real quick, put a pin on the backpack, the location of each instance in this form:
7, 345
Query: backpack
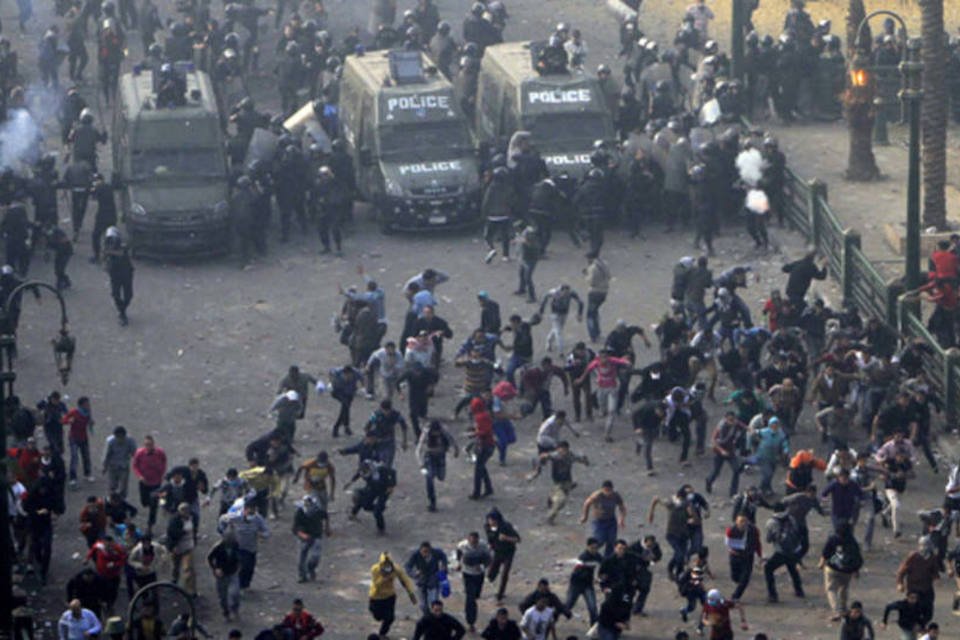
783, 534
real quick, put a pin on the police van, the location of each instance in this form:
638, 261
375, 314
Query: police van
413, 154
171, 164
564, 112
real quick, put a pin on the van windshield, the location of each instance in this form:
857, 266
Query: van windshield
176, 163
549, 130
426, 141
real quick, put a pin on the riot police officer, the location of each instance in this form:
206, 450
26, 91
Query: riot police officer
106, 213
328, 202
590, 203
120, 269
291, 177
443, 49
15, 229
85, 138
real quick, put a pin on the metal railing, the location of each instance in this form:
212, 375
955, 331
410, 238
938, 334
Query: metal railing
808, 211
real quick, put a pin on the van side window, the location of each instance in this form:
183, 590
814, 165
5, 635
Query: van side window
489, 117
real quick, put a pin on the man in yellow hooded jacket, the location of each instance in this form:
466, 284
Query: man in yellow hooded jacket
383, 592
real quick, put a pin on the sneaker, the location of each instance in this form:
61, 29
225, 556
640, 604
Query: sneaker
487, 259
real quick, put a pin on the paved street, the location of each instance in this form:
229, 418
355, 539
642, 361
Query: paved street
208, 342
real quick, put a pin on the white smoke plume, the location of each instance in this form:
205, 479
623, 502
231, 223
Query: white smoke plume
19, 140
757, 201
751, 165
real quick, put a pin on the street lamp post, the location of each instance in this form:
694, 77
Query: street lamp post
912, 95
64, 346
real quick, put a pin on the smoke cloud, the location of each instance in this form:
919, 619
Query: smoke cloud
751, 165
19, 140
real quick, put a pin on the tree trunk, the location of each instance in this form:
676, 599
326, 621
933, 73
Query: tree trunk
934, 115
858, 102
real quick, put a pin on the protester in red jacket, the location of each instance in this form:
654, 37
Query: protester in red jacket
302, 623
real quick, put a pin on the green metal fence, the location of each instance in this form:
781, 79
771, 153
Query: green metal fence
808, 211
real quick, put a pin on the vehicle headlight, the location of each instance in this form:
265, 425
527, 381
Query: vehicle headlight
220, 211
137, 210
393, 188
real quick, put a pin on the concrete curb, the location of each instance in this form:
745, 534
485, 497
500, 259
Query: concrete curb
619, 9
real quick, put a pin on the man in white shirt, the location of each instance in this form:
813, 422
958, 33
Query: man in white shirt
538, 621
78, 623
549, 433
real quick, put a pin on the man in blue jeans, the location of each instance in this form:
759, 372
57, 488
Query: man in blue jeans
424, 566
604, 504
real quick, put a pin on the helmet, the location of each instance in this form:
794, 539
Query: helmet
824, 26
595, 174
669, 56
498, 160
471, 49
554, 41
246, 103
711, 48
599, 145
753, 38
332, 63
47, 161
562, 27
6, 270
155, 50
232, 40
310, 26
662, 86
286, 140
315, 149
627, 94
443, 27
501, 173
323, 37
832, 42
767, 41
243, 182
642, 42
698, 173
710, 61
413, 32
786, 38
602, 68
292, 48
337, 145
409, 15
723, 293
229, 54
86, 116
112, 232
324, 172
178, 29
770, 142
652, 46
714, 598
256, 167
598, 158
107, 8
477, 9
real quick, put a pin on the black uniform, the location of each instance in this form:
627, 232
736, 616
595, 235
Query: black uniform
120, 269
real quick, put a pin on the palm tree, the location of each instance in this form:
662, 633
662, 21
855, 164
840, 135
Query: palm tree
933, 118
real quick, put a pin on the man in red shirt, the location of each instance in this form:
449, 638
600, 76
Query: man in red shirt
716, 615
79, 422
149, 465
302, 623
27, 463
607, 369
483, 437
944, 263
109, 558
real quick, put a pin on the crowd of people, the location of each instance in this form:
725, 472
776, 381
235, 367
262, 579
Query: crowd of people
683, 159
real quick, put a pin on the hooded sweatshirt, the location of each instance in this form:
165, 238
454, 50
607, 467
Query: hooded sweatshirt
382, 585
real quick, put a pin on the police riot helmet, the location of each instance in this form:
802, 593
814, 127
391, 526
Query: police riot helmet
107, 8
471, 49
325, 172
662, 86
6, 270
627, 94
413, 32
770, 142
332, 63
155, 50
178, 29
244, 182
595, 174
443, 27
112, 232
232, 40
554, 41
668, 56
753, 38
337, 145
767, 41
561, 28
824, 27
86, 116
323, 37
652, 46
292, 48
711, 48
477, 9
498, 160
309, 26
469, 63
698, 173
602, 69
500, 173
832, 42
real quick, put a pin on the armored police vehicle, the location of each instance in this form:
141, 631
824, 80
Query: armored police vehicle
169, 157
564, 112
413, 154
